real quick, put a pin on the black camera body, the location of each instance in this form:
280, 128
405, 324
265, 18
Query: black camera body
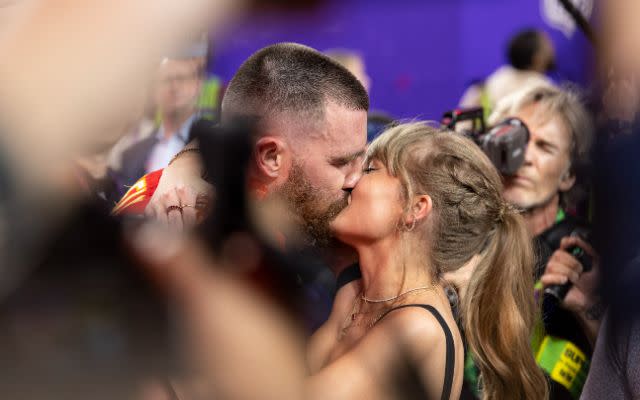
505, 143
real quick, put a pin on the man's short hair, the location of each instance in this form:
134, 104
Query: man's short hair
566, 104
291, 78
523, 48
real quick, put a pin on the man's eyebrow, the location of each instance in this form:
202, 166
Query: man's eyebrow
347, 158
543, 142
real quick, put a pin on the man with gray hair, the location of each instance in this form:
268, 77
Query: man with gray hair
558, 151
545, 187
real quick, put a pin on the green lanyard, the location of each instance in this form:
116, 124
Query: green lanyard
560, 216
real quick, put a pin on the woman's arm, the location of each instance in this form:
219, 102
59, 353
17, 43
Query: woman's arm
352, 376
325, 338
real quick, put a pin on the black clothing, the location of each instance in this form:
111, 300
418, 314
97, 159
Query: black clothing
348, 275
450, 357
558, 322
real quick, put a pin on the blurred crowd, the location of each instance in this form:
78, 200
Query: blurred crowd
167, 234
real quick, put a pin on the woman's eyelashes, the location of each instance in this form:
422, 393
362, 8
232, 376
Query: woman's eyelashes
369, 170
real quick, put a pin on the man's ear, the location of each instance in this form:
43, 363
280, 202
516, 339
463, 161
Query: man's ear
420, 209
269, 156
567, 180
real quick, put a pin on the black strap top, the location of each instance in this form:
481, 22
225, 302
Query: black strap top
348, 275
450, 357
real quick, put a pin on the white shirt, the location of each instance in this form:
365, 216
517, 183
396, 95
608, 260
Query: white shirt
500, 84
165, 149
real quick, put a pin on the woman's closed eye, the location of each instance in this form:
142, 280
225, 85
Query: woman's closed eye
369, 170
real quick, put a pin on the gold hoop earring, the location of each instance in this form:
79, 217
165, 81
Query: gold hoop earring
411, 227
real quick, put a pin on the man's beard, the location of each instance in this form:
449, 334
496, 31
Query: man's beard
308, 204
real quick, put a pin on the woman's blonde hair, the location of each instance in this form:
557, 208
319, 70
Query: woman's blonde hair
470, 217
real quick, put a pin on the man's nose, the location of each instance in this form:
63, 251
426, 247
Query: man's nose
529, 155
352, 178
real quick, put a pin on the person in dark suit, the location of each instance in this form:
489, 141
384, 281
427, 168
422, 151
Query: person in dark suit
176, 93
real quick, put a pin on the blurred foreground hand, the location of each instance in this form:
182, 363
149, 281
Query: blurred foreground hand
240, 345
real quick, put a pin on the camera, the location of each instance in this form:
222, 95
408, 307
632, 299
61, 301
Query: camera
505, 143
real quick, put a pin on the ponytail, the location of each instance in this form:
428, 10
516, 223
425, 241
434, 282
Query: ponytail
470, 218
498, 313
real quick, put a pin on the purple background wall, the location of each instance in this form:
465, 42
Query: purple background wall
420, 54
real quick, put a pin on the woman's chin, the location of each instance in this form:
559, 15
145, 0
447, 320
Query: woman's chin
349, 236
340, 228
337, 228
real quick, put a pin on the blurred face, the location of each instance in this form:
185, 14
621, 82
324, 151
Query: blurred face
544, 61
178, 87
357, 67
325, 168
375, 207
545, 171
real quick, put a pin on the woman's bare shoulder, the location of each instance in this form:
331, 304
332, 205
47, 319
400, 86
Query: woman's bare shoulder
416, 327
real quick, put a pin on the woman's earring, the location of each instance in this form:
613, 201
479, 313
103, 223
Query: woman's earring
409, 228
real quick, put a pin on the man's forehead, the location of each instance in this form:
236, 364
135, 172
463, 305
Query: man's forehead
168, 65
338, 131
345, 128
545, 124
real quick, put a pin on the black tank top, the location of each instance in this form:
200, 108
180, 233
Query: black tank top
450, 357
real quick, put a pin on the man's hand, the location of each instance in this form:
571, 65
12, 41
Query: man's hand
562, 268
182, 197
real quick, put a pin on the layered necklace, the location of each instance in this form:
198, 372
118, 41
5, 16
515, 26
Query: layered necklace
377, 314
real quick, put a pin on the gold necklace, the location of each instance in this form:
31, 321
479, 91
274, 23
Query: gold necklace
351, 317
368, 300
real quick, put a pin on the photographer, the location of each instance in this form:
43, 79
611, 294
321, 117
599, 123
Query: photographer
545, 187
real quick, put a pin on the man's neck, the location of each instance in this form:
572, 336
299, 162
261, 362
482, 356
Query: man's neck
541, 218
339, 257
171, 123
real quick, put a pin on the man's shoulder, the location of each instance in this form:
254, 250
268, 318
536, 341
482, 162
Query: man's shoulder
142, 144
135, 153
569, 224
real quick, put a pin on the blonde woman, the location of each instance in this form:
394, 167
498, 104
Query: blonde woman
429, 203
